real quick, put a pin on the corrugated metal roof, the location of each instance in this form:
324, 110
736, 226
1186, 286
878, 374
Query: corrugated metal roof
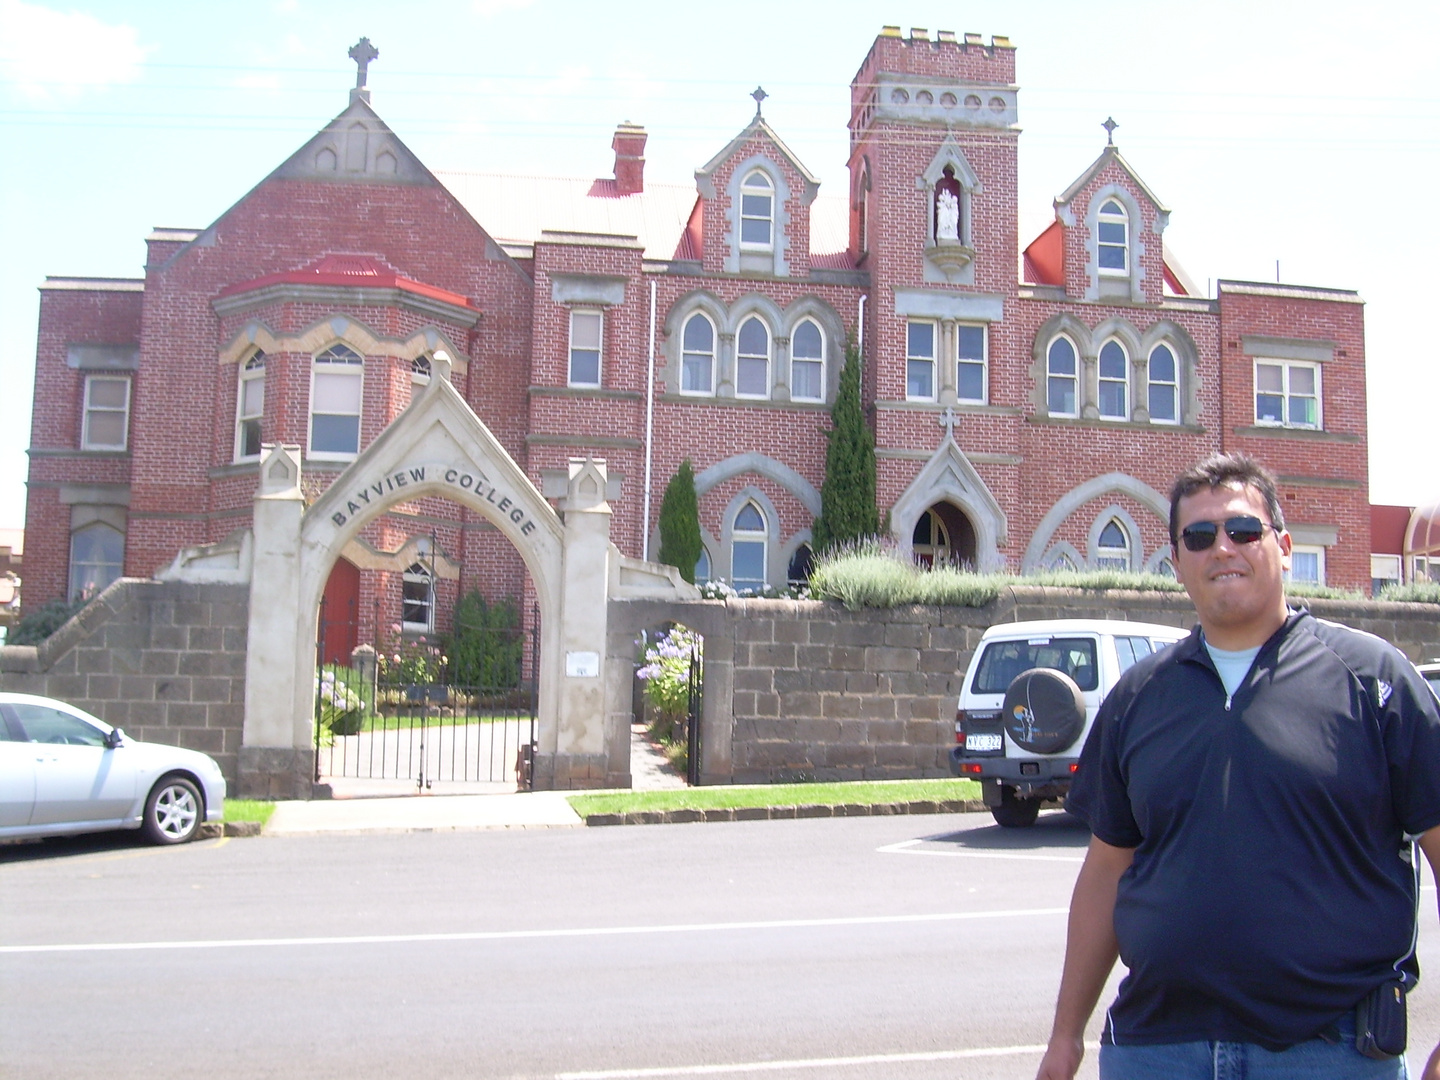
516, 209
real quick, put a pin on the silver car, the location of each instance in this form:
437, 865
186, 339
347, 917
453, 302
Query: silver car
63, 771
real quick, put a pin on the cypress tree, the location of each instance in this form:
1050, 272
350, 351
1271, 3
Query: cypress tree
847, 497
680, 543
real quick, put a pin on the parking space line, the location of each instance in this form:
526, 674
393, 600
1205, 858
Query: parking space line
736, 1068
520, 935
907, 847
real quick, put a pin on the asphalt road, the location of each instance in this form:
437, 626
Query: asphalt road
913, 947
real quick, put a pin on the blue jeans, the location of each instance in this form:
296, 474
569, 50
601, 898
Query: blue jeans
1315, 1059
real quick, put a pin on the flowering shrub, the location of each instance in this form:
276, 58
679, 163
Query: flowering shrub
666, 673
341, 708
411, 663
720, 589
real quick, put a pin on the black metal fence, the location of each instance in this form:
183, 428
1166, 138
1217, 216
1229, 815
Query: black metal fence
397, 713
694, 745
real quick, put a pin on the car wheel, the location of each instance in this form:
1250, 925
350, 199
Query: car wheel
1015, 812
1044, 710
173, 811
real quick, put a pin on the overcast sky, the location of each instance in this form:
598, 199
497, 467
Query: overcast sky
1303, 134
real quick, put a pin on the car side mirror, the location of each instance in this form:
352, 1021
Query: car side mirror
115, 738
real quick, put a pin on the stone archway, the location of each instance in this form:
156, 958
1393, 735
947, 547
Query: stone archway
438, 446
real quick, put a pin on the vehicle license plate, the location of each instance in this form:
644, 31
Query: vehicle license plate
981, 743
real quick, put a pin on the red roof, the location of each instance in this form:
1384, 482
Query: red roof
354, 272
1045, 257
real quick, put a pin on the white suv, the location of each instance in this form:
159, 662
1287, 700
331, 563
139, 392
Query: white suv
1028, 700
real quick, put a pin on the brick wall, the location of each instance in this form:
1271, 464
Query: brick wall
164, 661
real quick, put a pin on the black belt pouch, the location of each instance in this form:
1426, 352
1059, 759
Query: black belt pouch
1380, 1021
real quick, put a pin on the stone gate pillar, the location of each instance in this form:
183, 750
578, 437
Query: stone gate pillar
580, 758
276, 760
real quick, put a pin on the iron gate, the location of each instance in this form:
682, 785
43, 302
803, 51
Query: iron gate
694, 745
396, 712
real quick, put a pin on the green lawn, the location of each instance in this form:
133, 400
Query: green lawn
249, 810
867, 792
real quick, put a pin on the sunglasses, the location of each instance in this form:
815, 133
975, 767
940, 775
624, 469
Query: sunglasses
1244, 529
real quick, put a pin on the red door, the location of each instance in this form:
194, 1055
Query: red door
340, 613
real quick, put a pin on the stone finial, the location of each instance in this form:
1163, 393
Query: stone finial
440, 365
759, 95
1110, 125
362, 52
279, 470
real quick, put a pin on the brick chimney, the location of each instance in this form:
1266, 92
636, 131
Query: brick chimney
629, 147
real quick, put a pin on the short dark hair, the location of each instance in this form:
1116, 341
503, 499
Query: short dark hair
1224, 470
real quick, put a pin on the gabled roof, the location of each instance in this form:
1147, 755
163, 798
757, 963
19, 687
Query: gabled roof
515, 210
666, 218
356, 147
1109, 154
1043, 263
349, 271
757, 126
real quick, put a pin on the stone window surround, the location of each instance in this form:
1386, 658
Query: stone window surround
1138, 347
1288, 365
599, 313
87, 407
775, 259
248, 374
337, 329
727, 320
947, 310
1118, 514
316, 363
1108, 285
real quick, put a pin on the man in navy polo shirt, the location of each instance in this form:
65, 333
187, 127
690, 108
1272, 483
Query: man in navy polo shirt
1250, 793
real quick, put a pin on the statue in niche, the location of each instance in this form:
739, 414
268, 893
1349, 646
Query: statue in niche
947, 216
947, 206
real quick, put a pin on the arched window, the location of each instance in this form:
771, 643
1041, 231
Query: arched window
748, 544
1164, 386
930, 541
338, 376
1113, 547
703, 571
250, 408
757, 210
1114, 387
97, 557
1061, 398
417, 600
697, 364
1113, 228
807, 362
752, 360
1061, 562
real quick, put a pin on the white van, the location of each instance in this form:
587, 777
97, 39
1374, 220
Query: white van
1028, 700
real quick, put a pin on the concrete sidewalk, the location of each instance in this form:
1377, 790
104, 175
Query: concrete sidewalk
387, 806
423, 813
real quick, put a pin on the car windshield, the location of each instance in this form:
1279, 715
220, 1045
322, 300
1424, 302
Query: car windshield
1003, 660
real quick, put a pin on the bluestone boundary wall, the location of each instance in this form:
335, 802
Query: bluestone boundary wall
794, 690
163, 660
806, 690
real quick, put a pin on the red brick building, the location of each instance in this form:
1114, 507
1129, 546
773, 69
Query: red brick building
1030, 403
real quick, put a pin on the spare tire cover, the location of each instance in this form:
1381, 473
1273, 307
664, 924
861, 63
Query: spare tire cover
1044, 710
